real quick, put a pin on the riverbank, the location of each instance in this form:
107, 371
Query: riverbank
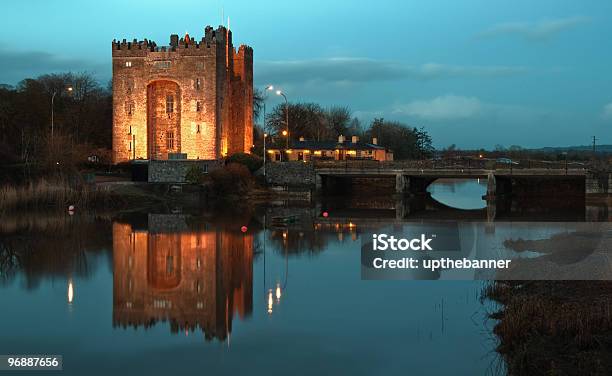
49, 195
554, 327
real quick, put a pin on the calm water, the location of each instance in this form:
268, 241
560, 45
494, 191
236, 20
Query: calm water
170, 292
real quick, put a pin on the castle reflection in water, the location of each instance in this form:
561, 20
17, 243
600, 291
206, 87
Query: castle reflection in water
191, 276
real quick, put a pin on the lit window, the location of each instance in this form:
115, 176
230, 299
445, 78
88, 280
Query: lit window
198, 106
128, 64
169, 103
170, 140
129, 108
198, 84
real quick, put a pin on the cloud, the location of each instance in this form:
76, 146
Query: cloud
345, 70
607, 111
17, 65
535, 30
445, 107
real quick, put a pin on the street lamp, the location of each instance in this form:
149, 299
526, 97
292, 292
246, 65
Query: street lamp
285, 132
269, 87
69, 89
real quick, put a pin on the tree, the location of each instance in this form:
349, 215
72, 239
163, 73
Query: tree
338, 120
258, 103
405, 142
306, 120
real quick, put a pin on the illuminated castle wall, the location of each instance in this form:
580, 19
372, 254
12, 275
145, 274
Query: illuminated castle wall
191, 279
193, 97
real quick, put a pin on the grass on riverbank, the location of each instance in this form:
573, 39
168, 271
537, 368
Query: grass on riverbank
44, 194
554, 327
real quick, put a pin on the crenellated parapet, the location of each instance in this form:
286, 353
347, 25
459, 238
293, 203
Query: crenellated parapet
212, 37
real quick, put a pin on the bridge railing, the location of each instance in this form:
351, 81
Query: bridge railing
479, 164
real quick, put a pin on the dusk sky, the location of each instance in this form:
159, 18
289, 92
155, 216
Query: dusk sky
474, 72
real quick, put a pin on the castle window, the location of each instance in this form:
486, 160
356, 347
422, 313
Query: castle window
129, 84
161, 64
130, 131
198, 106
130, 146
198, 84
129, 108
170, 140
198, 128
169, 103
128, 64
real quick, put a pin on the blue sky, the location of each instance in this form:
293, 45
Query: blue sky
474, 72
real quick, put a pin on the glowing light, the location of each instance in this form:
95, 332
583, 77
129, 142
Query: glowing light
243, 229
270, 87
325, 214
70, 291
278, 92
270, 301
318, 152
265, 135
284, 235
306, 151
270, 151
69, 88
288, 151
284, 133
278, 292
480, 155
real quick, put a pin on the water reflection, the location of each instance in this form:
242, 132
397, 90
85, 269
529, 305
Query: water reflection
195, 278
459, 193
198, 273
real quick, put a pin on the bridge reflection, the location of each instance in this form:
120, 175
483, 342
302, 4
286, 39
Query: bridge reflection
192, 278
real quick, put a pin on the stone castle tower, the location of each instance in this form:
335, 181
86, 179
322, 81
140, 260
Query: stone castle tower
191, 97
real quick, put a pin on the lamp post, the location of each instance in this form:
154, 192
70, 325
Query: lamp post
279, 92
69, 89
269, 87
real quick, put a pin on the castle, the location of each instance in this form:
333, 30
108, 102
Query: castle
191, 99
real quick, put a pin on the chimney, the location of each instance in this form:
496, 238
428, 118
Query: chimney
301, 138
374, 141
355, 139
341, 139
174, 40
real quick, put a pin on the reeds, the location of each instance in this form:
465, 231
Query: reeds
59, 194
553, 325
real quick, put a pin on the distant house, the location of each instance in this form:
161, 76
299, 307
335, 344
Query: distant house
340, 150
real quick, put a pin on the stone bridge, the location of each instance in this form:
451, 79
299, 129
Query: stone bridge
413, 177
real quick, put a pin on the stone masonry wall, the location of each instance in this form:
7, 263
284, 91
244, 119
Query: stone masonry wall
297, 174
174, 171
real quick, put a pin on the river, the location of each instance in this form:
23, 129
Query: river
182, 291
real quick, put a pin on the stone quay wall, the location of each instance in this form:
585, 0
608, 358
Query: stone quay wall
293, 174
174, 171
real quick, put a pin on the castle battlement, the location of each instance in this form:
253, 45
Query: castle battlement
211, 37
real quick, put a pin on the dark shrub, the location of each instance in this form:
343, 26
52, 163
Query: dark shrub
234, 178
195, 175
252, 162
